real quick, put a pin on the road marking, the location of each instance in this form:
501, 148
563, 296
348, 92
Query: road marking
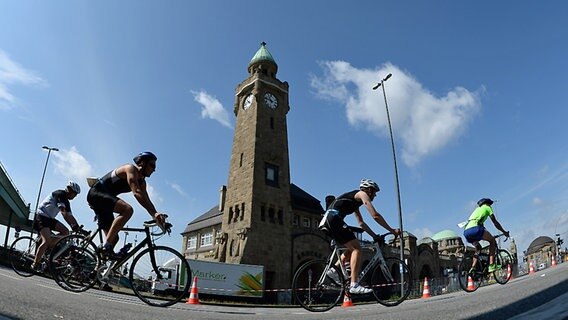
122, 301
52, 288
11, 277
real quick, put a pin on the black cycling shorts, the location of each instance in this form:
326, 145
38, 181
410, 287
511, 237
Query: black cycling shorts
41, 222
103, 205
339, 230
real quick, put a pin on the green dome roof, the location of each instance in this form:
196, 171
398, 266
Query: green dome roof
262, 55
445, 234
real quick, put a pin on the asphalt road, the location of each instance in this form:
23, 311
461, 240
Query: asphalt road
540, 296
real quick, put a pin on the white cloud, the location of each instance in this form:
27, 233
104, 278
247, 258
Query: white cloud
153, 194
424, 122
72, 165
537, 201
212, 108
12, 73
177, 188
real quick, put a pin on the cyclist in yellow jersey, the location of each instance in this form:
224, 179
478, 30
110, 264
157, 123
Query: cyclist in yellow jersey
475, 231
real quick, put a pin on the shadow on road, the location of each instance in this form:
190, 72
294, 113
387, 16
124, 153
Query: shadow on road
526, 304
4, 316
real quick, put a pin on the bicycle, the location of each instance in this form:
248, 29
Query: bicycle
317, 292
23, 251
158, 275
471, 281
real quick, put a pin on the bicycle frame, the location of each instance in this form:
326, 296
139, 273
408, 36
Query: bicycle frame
478, 252
474, 268
317, 290
377, 258
115, 265
37, 241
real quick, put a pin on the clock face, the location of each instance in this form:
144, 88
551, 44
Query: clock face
248, 101
270, 100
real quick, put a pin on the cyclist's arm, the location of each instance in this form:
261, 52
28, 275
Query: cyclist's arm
139, 190
69, 218
373, 212
498, 225
65, 210
363, 225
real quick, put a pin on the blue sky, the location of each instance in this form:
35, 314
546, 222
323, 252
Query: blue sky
477, 100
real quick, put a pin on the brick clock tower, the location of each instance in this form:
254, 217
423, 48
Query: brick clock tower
257, 222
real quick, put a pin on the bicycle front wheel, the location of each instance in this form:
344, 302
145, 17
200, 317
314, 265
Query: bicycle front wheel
469, 282
504, 259
160, 276
22, 254
391, 283
314, 290
73, 263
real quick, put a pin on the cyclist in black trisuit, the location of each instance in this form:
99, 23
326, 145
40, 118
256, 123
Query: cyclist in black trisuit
102, 198
344, 205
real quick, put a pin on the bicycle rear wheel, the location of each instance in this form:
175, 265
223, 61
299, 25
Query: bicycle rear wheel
160, 276
387, 286
504, 259
22, 254
73, 263
315, 291
469, 282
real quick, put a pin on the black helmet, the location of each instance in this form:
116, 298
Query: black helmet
483, 201
143, 156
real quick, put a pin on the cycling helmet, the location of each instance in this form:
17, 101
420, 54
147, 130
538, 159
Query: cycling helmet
483, 201
368, 183
143, 156
73, 186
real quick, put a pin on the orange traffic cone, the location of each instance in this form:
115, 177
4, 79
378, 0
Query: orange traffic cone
426, 291
531, 268
193, 295
553, 261
470, 285
347, 301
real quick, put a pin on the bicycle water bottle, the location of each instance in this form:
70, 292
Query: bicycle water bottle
124, 250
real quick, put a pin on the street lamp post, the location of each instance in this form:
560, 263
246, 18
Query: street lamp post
49, 149
382, 84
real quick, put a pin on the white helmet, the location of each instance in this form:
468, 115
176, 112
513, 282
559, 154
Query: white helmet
73, 186
368, 183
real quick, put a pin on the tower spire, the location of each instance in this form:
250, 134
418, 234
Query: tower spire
263, 60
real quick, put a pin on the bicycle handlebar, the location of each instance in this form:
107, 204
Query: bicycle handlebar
78, 229
501, 235
380, 238
166, 228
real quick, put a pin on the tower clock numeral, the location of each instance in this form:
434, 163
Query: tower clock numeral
270, 100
